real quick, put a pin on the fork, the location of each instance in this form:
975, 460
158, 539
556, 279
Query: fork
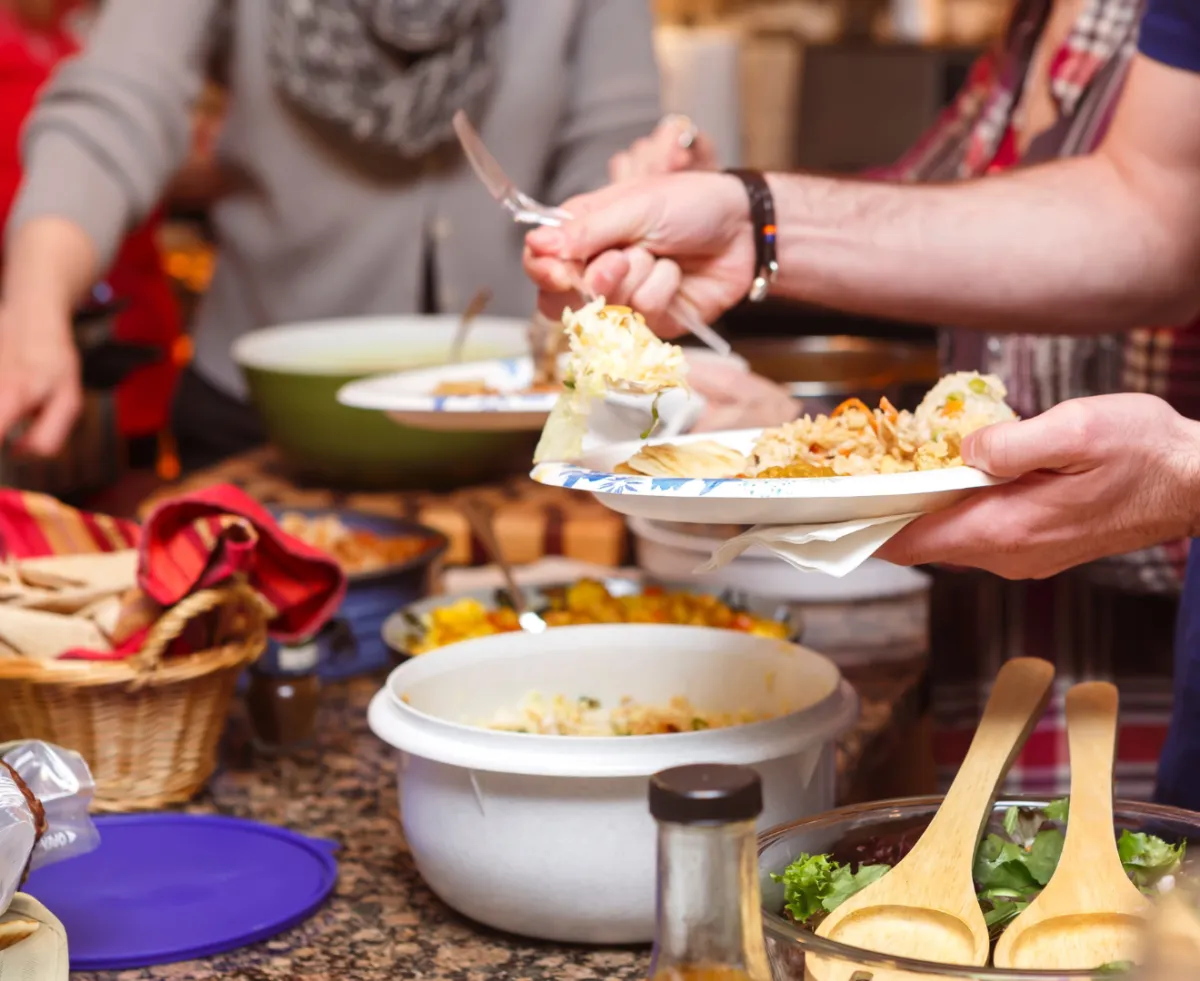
526, 211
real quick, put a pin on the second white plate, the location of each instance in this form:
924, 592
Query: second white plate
408, 397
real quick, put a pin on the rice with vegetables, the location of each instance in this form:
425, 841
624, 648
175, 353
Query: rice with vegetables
851, 441
855, 440
585, 716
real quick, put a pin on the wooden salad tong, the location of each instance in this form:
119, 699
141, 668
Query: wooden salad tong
926, 907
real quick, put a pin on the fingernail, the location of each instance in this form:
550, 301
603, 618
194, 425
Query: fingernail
546, 239
599, 282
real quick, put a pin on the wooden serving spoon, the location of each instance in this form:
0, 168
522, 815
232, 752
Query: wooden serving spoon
926, 907
1090, 913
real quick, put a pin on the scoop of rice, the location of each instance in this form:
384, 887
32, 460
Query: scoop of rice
610, 348
960, 404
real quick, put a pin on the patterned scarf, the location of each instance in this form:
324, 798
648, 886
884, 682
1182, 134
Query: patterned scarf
1086, 76
387, 73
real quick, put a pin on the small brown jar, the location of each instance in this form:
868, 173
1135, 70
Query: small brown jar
284, 697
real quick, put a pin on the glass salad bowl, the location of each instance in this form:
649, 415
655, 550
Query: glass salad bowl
881, 832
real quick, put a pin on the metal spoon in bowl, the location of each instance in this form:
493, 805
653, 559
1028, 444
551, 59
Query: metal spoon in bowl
481, 524
526, 211
478, 302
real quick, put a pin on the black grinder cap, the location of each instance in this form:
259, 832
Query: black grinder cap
707, 793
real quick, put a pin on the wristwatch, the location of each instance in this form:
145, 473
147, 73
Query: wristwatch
762, 216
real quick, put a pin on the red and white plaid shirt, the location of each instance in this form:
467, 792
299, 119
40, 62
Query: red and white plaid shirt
1113, 619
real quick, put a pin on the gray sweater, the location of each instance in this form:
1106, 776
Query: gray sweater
316, 227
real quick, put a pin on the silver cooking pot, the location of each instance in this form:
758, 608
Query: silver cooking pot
825, 371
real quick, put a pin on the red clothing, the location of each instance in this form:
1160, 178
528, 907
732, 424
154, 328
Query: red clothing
1007, 155
28, 57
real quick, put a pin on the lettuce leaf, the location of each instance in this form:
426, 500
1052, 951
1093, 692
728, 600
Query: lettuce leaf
1147, 859
1010, 869
817, 884
805, 883
845, 883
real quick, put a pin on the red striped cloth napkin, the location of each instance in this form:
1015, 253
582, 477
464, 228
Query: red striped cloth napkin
189, 543
33, 525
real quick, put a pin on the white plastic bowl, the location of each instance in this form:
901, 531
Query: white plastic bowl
551, 836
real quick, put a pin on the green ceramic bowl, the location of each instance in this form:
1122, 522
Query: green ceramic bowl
294, 373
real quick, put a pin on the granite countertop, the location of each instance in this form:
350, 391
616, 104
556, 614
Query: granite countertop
382, 922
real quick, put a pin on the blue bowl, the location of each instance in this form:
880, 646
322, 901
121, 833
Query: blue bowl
352, 643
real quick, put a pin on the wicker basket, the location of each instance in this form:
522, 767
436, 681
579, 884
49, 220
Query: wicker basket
149, 727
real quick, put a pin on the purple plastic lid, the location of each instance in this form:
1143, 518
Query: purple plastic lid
163, 888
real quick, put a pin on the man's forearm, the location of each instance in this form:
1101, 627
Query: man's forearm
1063, 248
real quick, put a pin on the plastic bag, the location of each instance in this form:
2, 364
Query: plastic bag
60, 779
18, 832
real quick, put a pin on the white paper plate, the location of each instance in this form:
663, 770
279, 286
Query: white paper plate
812, 500
407, 397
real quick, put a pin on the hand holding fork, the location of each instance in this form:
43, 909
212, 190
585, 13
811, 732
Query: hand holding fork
525, 210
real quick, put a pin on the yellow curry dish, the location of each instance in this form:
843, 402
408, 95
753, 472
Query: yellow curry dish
590, 601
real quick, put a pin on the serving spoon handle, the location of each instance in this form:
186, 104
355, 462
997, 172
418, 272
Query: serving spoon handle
1018, 698
1090, 912
926, 906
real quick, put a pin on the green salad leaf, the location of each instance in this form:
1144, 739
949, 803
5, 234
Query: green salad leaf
1044, 854
805, 883
1147, 859
1000, 868
845, 883
1001, 914
1010, 869
817, 884
1021, 826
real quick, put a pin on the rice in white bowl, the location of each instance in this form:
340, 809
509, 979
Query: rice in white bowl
587, 716
550, 837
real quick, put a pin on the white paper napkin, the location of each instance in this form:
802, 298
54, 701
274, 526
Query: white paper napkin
834, 549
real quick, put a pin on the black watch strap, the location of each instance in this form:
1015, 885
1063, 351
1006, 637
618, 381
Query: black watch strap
762, 216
